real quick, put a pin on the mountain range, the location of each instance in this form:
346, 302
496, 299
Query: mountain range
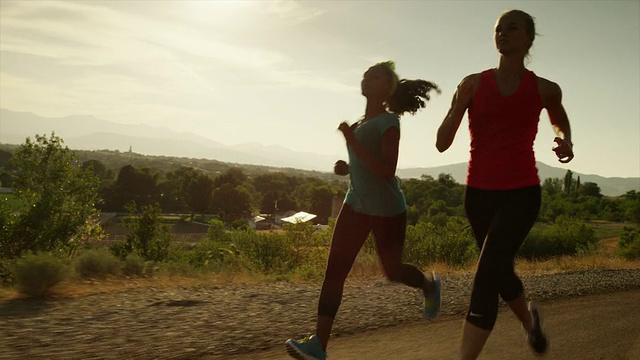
89, 133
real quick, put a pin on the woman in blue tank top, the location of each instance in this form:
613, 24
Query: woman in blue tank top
374, 201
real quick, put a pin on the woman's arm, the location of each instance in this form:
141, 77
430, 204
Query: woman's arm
459, 105
551, 96
384, 167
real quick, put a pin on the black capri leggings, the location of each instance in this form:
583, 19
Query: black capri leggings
501, 220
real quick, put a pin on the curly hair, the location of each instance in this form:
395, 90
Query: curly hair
411, 96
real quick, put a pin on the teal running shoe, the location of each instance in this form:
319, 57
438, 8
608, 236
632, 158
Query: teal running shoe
308, 348
432, 300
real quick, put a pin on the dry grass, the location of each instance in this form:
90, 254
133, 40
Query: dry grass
524, 267
77, 288
572, 263
366, 267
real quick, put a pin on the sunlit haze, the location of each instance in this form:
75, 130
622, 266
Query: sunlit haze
287, 73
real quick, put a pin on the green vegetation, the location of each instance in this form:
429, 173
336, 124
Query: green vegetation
56, 199
629, 243
37, 274
95, 263
58, 195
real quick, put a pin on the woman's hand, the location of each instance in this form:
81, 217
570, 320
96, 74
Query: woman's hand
564, 150
341, 168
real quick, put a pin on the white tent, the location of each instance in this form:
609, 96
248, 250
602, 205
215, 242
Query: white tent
299, 217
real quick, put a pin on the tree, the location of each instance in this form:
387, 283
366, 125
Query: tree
321, 203
197, 193
231, 203
150, 237
234, 176
134, 185
589, 189
569, 183
99, 169
552, 186
58, 199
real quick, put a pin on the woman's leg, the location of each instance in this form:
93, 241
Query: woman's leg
390, 233
480, 206
516, 211
517, 216
350, 233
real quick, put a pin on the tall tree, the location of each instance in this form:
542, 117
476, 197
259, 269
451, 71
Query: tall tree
231, 203
568, 182
197, 192
58, 198
137, 185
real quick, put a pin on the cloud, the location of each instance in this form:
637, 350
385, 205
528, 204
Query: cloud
83, 34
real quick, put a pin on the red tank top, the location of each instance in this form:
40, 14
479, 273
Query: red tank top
503, 129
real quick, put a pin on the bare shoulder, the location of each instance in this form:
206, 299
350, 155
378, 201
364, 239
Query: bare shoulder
550, 92
467, 88
470, 82
548, 87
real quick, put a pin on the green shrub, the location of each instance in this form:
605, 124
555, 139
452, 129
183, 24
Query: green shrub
134, 265
36, 274
567, 236
120, 249
216, 230
94, 264
426, 243
267, 253
629, 243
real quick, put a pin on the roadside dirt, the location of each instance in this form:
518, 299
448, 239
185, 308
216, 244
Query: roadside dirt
221, 321
592, 327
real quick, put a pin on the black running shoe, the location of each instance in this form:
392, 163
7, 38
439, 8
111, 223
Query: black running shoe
536, 337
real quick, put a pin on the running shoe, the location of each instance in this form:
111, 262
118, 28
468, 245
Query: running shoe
536, 337
432, 300
308, 348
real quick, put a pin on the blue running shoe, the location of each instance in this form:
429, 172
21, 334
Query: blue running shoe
432, 300
308, 348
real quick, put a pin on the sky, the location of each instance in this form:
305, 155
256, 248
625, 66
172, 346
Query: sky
288, 72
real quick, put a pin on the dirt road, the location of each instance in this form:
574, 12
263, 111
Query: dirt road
592, 327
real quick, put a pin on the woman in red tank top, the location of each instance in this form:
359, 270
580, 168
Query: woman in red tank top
502, 199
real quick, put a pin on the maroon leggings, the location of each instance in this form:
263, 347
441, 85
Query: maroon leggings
350, 233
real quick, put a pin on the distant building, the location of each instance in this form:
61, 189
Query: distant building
4, 190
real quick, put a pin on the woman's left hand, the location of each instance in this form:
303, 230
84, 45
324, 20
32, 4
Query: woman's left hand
564, 150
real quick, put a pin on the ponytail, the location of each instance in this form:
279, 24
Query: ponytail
411, 96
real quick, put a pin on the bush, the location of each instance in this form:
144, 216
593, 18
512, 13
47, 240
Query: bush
149, 237
566, 236
268, 253
94, 264
133, 265
629, 243
36, 274
216, 230
208, 253
427, 243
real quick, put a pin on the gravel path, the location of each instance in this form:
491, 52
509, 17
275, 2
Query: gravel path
194, 322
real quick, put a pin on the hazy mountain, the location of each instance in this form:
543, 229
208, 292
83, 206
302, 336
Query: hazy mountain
612, 186
89, 133
18, 125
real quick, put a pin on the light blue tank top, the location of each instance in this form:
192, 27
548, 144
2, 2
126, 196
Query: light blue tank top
368, 193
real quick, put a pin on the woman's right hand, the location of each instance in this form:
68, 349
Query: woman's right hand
341, 168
